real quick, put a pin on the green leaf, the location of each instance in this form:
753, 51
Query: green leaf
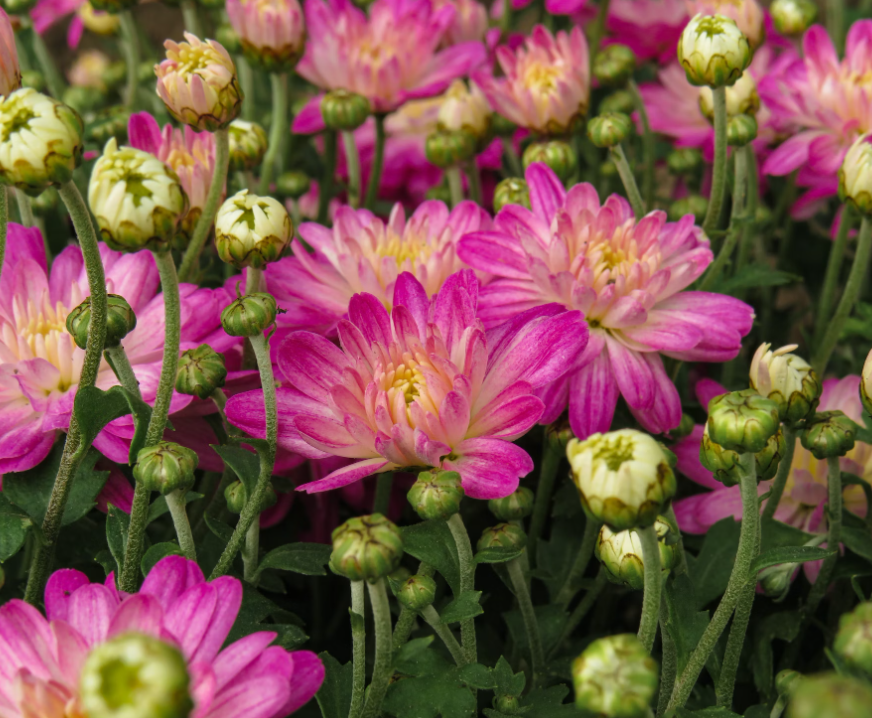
551, 620
777, 534
554, 558
707, 713
475, 675
94, 408
418, 659
508, 683
432, 542
334, 696
440, 696
789, 554
117, 525
497, 554
13, 529
244, 463
755, 275
306, 558
684, 623
548, 703
855, 535
157, 552
784, 626
465, 606
159, 506
712, 568
219, 528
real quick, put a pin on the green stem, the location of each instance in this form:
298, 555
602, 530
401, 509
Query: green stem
253, 280
43, 554
467, 582
25, 210
552, 454
835, 11
383, 484
53, 80
831, 278
188, 269
733, 653
117, 358
719, 171
352, 158
653, 586
406, 620
325, 188
430, 615
176, 503
381, 672
739, 577
669, 661
582, 559
581, 610
251, 511
598, 29
278, 128
531, 625
246, 84
474, 177
4, 222
834, 536
849, 298
250, 551
377, 162
777, 488
506, 19
620, 160
128, 581
648, 145
515, 167
191, 17
130, 48
455, 185
358, 644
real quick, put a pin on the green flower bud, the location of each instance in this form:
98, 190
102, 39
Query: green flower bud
684, 161
828, 695
449, 148
615, 677
201, 372
512, 190
236, 496
165, 467
788, 380
248, 145
293, 184
614, 65
33, 79
503, 535
623, 478
250, 315
621, 554
793, 17
507, 704
113, 7
436, 494
229, 38
724, 464
692, 204
108, 123
713, 51
854, 640
502, 126
685, 428
252, 231
609, 130
776, 580
829, 434
786, 681
741, 129
120, 321
344, 111
19, 7
417, 592
558, 155
742, 421
619, 101
366, 548
398, 577
135, 676
515, 506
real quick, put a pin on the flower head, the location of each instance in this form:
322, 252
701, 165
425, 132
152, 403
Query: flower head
620, 553
251, 231
713, 51
470, 21
787, 379
10, 73
747, 15
423, 385
467, 109
89, 69
855, 175
546, 87
248, 145
272, 32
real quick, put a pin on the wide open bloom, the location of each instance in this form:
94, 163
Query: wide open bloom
651, 28
546, 87
363, 253
42, 657
40, 363
421, 386
388, 57
626, 276
824, 104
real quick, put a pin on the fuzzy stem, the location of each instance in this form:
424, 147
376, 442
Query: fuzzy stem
352, 157
455, 185
53, 80
253, 280
730, 665
191, 18
189, 266
531, 625
648, 145
467, 582
831, 278
246, 84
117, 358
176, 503
653, 586
719, 171
377, 162
669, 661
383, 484
834, 536
25, 211
278, 129
381, 672
620, 160
250, 551
130, 48
430, 615
581, 610
552, 453
582, 559
325, 188
777, 488
358, 642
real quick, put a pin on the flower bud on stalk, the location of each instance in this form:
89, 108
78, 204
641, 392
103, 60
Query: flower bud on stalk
623, 478
855, 175
786, 379
713, 51
684, 160
248, 145
135, 676
741, 130
742, 421
366, 548
344, 111
692, 204
609, 130
621, 554
252, 231
447, 148
614, 65
829, 434
853, 642
866, 384
293, 184
793, 17
505, 535
201, 372
10, 74
558, 155
272, 32
136, 199
166, 467
250, 315
236, 496
436, 494
828, 694
724, 463
417, 592
512, 190
120, 321
775, 581
514, 507
615, 677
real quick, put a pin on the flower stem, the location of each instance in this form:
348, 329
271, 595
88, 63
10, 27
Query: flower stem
130, 48
552, 453
599, 29
582, 559
467, 582
253, 280
835, 11
849, 298
4, 222
531, 625
250, 551
325, 188
669, 661
191, 18
246, 84
381, 672
25, 210
648, 146
719, 171
383, 484
455, 185
653, 586
53, 79
176, 503
474, 177
352, 157
117, 358
506, 19
834, 536
430, 615
831, 278
739, 578
358, 642
620, 160
733, 653
514, 162
128, 581
251, 511
277, 130
377, 162
777, 488
581, 610
189, 266
73, 453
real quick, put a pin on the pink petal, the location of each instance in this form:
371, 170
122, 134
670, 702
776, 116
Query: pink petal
489, 468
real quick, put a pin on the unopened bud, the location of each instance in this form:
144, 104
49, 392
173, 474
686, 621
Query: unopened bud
417, 592
724, 463
512, 190
684, 160
166, 467
293, 184
366, 548
621, 554
558, 155
793, 17
829, 434
855, 175
692, 204
684, 428
236, 497
450, 148
252, 231
249, 315
609, 130
514, 507
614, 65
436, 494
201, 372
248, 145
866, 384
741, 98
741, 130
788, 380
742, 421
618, 101
713, 51
343, 110
505, 535
120, 321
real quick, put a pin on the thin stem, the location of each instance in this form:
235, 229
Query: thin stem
739, 577
515, 167
130, 48
733, 653
381, 672
253, 280
117, 358
620, 160
552, 454
455, 185
467, 582
188, 269
648, 145
835, 11
719, 171
325, 188
831, 278
43, 554
250, 551
53, 80
834, 536
682, 563
358, 644
278, 128
430, 615
474, 176
506, 19
176, 503
653, 586
191, 17
377, 162
581, 610
582, 559
352, 158
598, 29
531, 625
25, 210
669, 661
383, 484
780, 481
849, 298
246, 84
4, 222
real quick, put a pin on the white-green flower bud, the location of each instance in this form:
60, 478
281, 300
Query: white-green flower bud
793, 17
512, 190
610, 129
366, 548
252, 231
713, 51
248, 145
515, 506
828, 695
741, 130
742, 98
786, 379
621, 554
855, 175
853, 642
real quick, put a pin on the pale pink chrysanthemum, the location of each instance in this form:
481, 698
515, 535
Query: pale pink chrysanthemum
273, 31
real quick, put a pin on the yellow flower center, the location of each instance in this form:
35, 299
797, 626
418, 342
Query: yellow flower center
541, 77
404, 378
40, 333
406, 248
614, 451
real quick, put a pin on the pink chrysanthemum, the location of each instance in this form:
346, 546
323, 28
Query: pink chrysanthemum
48, 12
627, 277
470, 21
421, 386
41, 658
651, 28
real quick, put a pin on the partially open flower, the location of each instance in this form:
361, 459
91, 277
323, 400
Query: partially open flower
742, 98
747, 14
272, 32
166, 467
366, 548
713, 51
621, 553
466, 109
10, 74
252, 231
788, 380
855, 175
120, 321
866, 384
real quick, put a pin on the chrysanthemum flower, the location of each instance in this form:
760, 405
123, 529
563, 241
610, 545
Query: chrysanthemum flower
48, 12
546, 87
89, 69
272, 32
470, 21
421, 386
44, 657
651, 28
747, 14
627, 277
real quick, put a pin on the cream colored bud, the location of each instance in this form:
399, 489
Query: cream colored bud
252, 231
855, 175
742, 98
713, 51
465, 108
787, 379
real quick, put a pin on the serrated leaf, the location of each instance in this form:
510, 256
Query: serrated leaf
159, 506
308, 559
712, 568
442, 696
245, 464
157, 552
13, 529
432, 542
789, 554
334, 696
508, 683
551, 620
117, 525
684, 623
475, 675
756, 275
497, 554
465, 606
94, 408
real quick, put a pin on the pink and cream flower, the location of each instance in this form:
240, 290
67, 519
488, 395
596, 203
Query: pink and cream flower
273, 31
651, 28
42, 657
48, 12
470, 21
546, 87
10, 72
626, 276
747, 14
421, 386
